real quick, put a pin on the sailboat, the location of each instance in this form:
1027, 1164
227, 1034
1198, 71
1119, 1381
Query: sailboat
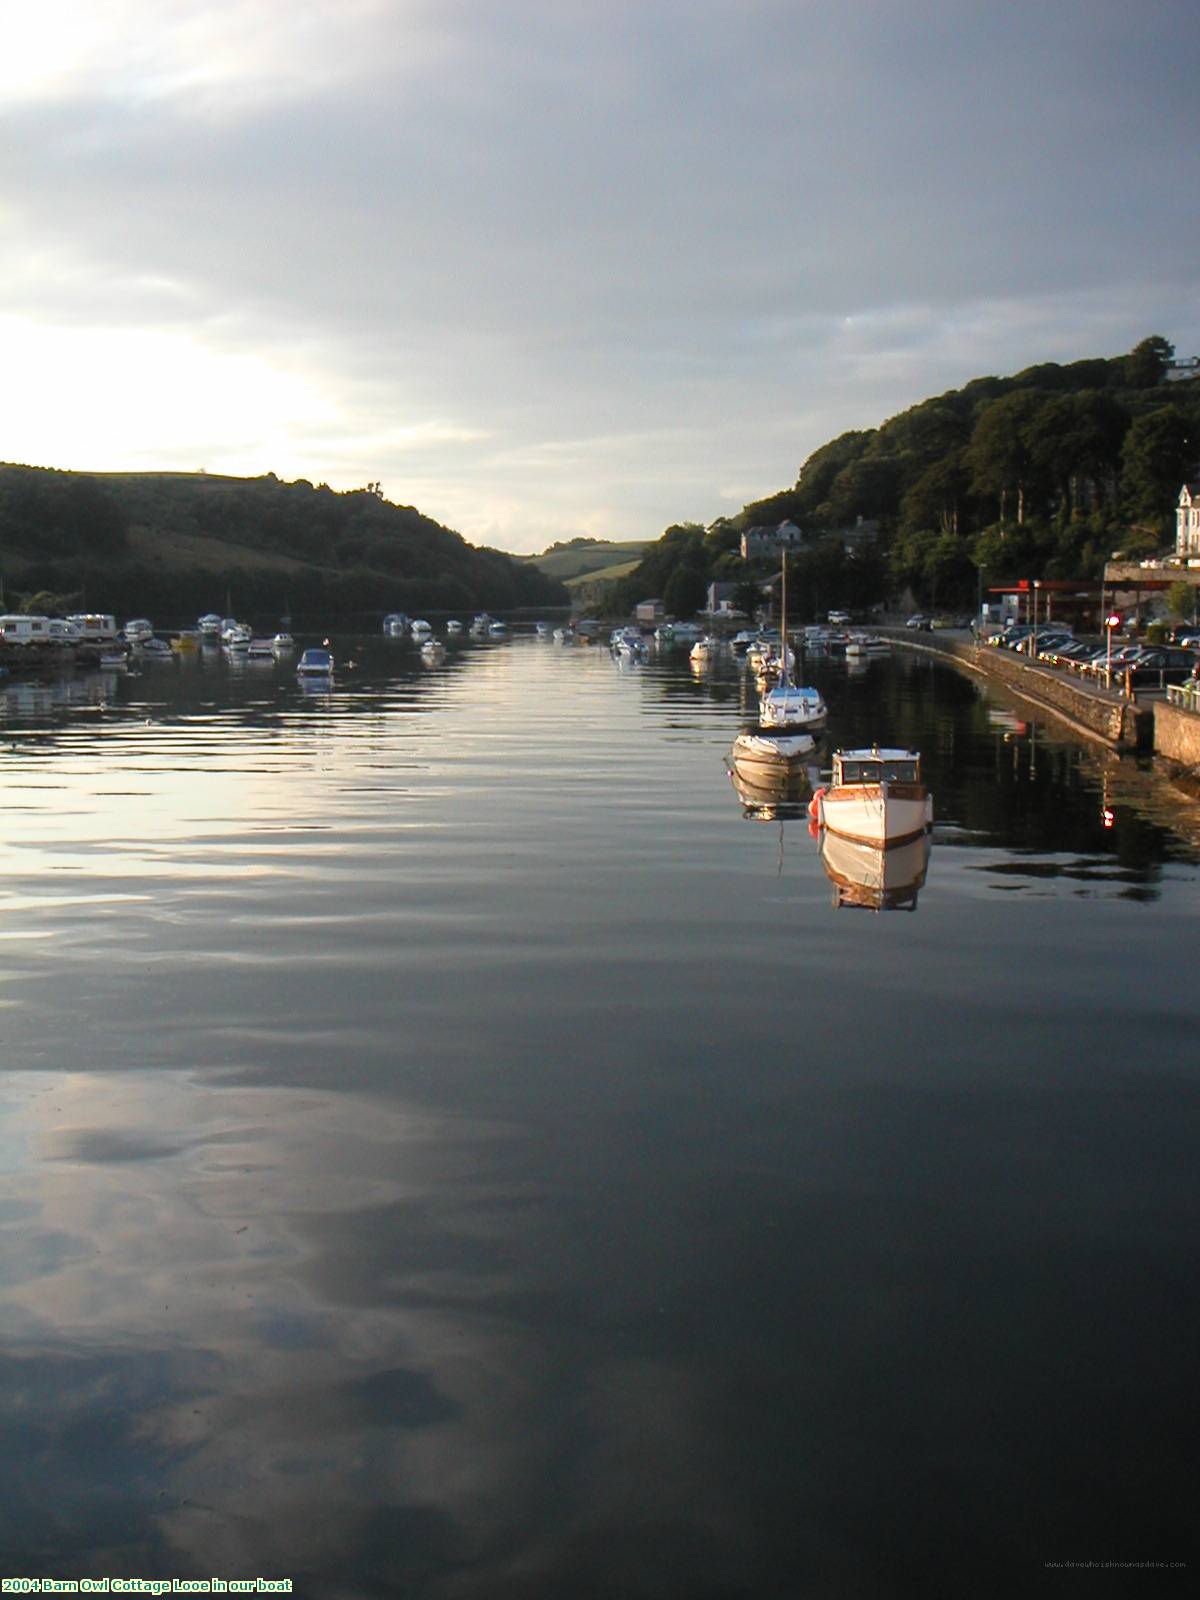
772, 753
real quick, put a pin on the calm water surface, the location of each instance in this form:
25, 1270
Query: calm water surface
448, 1149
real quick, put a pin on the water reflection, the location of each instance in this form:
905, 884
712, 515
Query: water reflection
766, 795
872, 879
440, 1156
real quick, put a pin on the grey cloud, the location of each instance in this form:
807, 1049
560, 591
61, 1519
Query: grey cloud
576, 220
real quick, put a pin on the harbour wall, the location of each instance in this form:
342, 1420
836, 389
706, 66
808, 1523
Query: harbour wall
1095, 712
1177, 735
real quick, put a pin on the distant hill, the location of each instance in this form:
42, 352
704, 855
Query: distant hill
577, 558
176, 543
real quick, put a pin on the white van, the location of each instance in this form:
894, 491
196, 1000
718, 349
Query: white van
95, 627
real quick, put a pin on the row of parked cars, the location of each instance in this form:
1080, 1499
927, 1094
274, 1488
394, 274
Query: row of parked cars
1147, 665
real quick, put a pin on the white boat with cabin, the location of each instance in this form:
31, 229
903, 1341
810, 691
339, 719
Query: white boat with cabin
793, 706
876, 797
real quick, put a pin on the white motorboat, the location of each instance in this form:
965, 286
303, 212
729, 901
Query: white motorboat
454, 626
395, 625
872, 878
138, 630
282, 644
773, 761
705, 649
153, 649
315, 662
876, 797
861, 646
420, 629
209, 626
497, 630
793, 707
433, 651
236, 635
261, 650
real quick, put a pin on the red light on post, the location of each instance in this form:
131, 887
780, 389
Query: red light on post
1112, 621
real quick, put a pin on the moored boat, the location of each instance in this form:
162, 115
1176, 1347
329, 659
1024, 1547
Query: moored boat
315, 662
876, 797
793, 707
773, 761
860, 646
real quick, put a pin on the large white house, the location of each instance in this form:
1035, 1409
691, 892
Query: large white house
1187, 521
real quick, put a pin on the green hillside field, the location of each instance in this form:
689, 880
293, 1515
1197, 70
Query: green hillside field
588, 558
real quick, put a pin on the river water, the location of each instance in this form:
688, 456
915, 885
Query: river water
448, 1148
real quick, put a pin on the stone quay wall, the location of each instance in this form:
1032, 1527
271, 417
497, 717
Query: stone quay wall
1177, 735
1097, 712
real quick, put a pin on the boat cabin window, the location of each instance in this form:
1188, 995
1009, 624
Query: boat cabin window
879, 772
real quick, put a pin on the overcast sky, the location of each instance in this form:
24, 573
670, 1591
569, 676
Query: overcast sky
552, 267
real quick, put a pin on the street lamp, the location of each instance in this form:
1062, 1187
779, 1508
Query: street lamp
1112, 621
1037, 584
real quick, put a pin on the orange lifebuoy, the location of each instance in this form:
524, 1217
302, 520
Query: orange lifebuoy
814, 805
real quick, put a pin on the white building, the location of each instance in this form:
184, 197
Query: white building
1187, 521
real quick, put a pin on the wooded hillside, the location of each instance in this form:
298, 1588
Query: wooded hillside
1042, 474
177, 543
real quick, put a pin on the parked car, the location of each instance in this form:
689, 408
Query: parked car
920, 620
838, 619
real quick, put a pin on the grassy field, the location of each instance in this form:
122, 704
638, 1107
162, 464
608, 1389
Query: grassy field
591, 560
603, 574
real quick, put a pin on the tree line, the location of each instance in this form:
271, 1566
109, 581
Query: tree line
1042, 474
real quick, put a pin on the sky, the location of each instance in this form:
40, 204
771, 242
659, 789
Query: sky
551, 268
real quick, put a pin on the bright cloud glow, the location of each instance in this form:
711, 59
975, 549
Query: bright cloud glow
126, 400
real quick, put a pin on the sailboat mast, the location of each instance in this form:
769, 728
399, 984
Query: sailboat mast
784, 678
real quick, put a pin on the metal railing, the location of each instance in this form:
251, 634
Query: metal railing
1185, 695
